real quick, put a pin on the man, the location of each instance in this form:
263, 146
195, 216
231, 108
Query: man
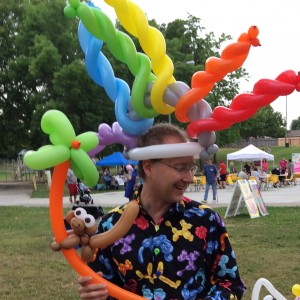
72, 185
290, 170
177, 248
243, 174
223, 174
210, 171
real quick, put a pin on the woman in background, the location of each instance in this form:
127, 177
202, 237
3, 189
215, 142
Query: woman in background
265, 165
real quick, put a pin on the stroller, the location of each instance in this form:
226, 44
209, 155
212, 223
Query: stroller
84, 194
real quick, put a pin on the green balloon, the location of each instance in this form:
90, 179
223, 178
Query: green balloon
46, 157
89, 140
57, 125
83, 167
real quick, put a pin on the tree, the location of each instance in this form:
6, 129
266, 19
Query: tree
264, 123
295, 125
42, 68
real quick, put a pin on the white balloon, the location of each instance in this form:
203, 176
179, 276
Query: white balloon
165, 151
268, 285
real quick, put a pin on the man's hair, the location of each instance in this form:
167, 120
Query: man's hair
156, 136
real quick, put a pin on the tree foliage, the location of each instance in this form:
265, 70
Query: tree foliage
295, 124
42, 68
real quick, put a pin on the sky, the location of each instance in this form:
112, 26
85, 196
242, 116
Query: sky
279, 26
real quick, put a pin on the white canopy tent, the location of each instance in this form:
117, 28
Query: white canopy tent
250, 153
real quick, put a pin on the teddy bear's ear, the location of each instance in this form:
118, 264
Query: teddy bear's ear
69, 216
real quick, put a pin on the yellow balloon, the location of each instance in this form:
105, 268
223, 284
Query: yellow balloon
152, 41
296, 290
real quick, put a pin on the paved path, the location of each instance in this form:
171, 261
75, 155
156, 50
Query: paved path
20, 195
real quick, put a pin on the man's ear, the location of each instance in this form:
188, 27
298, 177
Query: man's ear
147, 166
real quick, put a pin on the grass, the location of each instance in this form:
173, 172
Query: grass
265, 247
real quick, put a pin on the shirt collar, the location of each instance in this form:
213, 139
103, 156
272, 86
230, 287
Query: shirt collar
176, 207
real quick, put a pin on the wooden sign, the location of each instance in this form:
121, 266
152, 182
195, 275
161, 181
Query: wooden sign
242, 196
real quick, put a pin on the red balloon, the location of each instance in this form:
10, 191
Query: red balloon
245, 105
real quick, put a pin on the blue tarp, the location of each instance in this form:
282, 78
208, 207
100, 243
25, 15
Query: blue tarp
115, 159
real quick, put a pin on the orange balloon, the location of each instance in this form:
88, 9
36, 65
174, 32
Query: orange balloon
232, 57
59, 231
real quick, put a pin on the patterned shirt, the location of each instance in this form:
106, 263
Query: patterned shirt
187, 255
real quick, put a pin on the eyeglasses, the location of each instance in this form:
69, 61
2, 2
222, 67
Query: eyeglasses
180, 170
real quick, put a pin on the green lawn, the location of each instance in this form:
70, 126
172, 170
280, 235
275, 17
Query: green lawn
265, 247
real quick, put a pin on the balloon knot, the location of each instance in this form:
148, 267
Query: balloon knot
255, 42
76, 144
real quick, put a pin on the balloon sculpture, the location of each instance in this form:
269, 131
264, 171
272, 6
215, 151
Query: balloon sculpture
274, 294
152, 94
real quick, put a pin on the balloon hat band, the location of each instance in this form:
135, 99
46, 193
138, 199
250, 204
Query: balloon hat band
165, 151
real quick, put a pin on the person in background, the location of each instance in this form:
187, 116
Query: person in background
232, 169
265, 165
132, 184
107, 178
223, 174
263, 177
282, 175
283, 164
242, 174
255, 173
247, 167
210, 171
72, 185
290, 170
177, 248
276, 171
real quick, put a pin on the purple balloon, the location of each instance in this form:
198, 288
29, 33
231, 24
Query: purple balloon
96, 150
115, 135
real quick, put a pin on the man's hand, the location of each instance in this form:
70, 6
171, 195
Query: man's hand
88, 290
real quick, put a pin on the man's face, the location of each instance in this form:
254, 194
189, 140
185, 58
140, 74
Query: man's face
170, 177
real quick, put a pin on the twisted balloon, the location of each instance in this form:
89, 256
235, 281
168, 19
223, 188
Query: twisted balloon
121, 46
134, 20
232, 58
101, 72
245, 105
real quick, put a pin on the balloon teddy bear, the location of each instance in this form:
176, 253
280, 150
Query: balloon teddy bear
83, 226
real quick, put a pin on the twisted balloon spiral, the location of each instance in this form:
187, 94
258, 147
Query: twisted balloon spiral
245, 105
232, 58
134, 20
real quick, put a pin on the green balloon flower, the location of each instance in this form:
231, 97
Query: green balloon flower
65, 146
